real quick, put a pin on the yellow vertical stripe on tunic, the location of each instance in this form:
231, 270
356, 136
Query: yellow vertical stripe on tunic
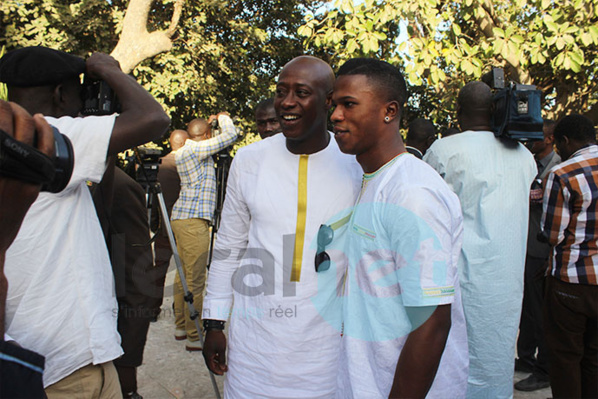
301, 218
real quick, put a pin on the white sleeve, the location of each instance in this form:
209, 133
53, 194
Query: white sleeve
90, 137
229, 247
422, 228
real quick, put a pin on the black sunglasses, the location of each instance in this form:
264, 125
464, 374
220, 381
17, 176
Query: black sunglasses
325, 236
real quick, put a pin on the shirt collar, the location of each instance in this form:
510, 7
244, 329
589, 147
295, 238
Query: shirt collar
413, 149
546, 160
591, 147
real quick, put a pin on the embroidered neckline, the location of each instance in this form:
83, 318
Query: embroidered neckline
368, 176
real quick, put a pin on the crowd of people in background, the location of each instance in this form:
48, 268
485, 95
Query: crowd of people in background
348, 263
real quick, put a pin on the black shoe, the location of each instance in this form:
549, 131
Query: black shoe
132, 395
523, 366
532, 383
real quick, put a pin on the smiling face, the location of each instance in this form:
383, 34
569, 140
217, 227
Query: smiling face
301, 103
358, 118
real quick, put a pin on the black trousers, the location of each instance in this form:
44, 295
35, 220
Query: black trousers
531, 327
571, 326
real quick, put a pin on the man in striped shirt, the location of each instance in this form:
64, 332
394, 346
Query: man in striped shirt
569, 221
192, 214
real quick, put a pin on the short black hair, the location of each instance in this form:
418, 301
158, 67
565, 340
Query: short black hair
475, 98
576, 127
386, 77
264, 104
420, 129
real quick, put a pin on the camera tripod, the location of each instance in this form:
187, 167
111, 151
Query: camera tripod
153, 187
222, 160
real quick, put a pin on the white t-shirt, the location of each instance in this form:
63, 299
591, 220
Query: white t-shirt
284, 336
61, 300
402, 246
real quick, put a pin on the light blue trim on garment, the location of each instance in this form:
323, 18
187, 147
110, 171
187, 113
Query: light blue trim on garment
4, 356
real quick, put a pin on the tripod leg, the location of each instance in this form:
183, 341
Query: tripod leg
187, 294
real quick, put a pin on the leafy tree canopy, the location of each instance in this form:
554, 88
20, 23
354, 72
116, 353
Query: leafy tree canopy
197, 57
440, 45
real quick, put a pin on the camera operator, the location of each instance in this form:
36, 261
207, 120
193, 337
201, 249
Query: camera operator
492, 178
171, 185
20, 368
193, 212
61, 301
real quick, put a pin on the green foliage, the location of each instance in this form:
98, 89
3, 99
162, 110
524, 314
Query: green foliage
543, 42
225, 54
225, 57
3, 93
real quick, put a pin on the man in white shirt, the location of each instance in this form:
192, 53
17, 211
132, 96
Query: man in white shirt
492, 177
404, 330
284, 334
61, 300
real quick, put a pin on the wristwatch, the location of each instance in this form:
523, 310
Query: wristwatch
209, 324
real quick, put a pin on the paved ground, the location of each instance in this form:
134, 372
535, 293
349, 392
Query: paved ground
169, 371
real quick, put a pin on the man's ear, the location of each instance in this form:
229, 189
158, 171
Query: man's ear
393, 110
563, 142
58, 97
328, 100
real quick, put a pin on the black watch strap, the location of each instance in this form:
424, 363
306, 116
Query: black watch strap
209, 324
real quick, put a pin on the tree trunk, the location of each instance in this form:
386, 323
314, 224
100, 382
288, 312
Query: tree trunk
487, 20
592, 113
136, 43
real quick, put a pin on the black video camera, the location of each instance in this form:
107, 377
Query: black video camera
517, 110
98, 98
149, 163
22, 162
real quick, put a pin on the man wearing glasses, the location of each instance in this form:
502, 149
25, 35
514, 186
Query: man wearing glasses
404, 331
282, 340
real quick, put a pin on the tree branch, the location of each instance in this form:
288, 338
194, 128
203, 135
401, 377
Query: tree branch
176, 16
487, 22
136, 43
592, 113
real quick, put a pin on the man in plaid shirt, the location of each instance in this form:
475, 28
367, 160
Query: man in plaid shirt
569, 221
193, 212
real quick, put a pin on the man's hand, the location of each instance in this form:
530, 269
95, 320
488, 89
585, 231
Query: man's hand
142, 118
17, 196
213, 118
99, 64
214, 352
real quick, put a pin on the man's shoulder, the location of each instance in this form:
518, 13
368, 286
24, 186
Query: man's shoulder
454, 143
574, 165
478, 142
411, 174
262, 148
69, 126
